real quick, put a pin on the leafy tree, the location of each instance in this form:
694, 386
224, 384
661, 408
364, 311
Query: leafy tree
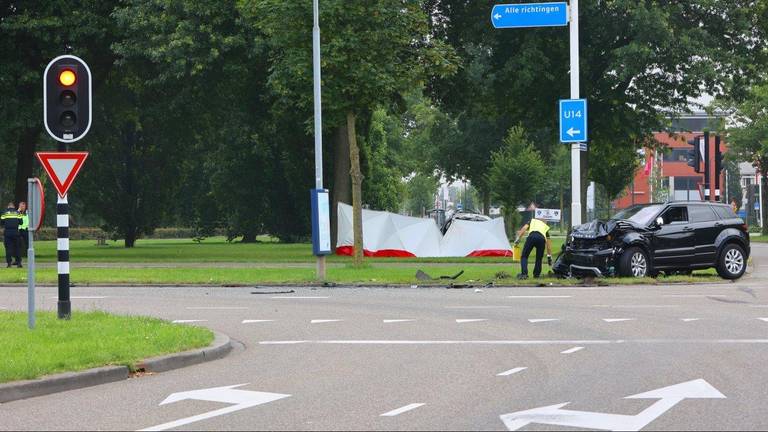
748, 139
516, 175
373, 52
420, 192
384, 189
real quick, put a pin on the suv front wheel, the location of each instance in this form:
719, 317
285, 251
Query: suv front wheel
634, 263
731, 264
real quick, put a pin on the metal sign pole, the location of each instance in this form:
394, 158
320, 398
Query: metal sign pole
575, 147
318, 117
31, 183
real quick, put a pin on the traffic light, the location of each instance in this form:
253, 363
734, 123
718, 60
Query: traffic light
694, 156
67, 98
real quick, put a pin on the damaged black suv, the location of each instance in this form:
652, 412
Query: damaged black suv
644, 240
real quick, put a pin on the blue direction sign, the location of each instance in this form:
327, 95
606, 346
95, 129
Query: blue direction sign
530, 15
573, 120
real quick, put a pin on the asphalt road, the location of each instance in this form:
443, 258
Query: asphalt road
439, 359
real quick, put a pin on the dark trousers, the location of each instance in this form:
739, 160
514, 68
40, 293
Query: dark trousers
534, 240
24, 237
12, 249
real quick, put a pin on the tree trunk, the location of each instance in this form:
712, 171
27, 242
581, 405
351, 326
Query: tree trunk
486, 197
130, 238
341, 182
357, 189
25, 156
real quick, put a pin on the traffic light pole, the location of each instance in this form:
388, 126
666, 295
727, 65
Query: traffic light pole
575, 147
62, 252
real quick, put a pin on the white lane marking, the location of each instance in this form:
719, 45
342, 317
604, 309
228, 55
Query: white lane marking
256, 321
241, 399
216, 307
321, 321
523, 342
541, 320
388, 321
693, 295
512, 371
84, 297
462, 321
613, 320
401, 410
187, 321
689, 319
297, 297
572, 350
638, 306
763, 319
539, 296
666, 399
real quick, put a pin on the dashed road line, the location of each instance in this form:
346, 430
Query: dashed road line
184, 321
471, 320
613, 320
512, 371
390, 321
255, 321
321, 321
572, 350
541, 320
763, 319
299, 297
689, 319
539, 297
401, 410
693, 295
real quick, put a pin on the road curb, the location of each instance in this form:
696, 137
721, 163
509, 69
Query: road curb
221, 346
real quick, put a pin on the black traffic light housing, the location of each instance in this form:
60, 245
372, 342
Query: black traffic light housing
67, 98
694, 156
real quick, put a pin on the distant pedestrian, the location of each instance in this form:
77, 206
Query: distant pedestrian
24, 227
734, 205
11, 221
538, 237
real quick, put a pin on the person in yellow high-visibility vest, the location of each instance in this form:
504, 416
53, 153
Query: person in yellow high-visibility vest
538, 237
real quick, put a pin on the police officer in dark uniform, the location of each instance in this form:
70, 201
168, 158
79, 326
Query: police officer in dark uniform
11, 221
538, 238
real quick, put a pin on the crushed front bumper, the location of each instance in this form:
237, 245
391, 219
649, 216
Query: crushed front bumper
587, 262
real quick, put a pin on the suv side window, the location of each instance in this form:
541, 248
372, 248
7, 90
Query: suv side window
725, 212
675, 215
701, 213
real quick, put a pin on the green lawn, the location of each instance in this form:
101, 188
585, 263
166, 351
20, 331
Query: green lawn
758, 238
90, 339
215, 249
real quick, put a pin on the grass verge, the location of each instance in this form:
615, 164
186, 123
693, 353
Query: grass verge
88, 340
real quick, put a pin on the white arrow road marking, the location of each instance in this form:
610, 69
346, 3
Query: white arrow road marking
187, 321
512, 371
572, 350
689, 319
462, 321
241, 399
387, 321
571, 132
541, 320
401, 410
320, 321
256, 321
613, 320
669, 397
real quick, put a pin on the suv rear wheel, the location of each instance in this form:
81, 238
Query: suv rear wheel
634, 263
731, 264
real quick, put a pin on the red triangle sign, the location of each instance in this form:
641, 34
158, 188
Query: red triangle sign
62, 168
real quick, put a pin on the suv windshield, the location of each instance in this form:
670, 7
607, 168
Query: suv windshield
640, 215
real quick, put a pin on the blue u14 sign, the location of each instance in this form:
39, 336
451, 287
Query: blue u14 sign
529, 15
573, 120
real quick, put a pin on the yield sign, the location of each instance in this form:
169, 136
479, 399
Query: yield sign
62, 168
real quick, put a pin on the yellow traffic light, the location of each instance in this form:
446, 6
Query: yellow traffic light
67, 77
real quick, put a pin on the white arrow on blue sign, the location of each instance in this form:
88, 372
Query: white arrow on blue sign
530, 15
573, 120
